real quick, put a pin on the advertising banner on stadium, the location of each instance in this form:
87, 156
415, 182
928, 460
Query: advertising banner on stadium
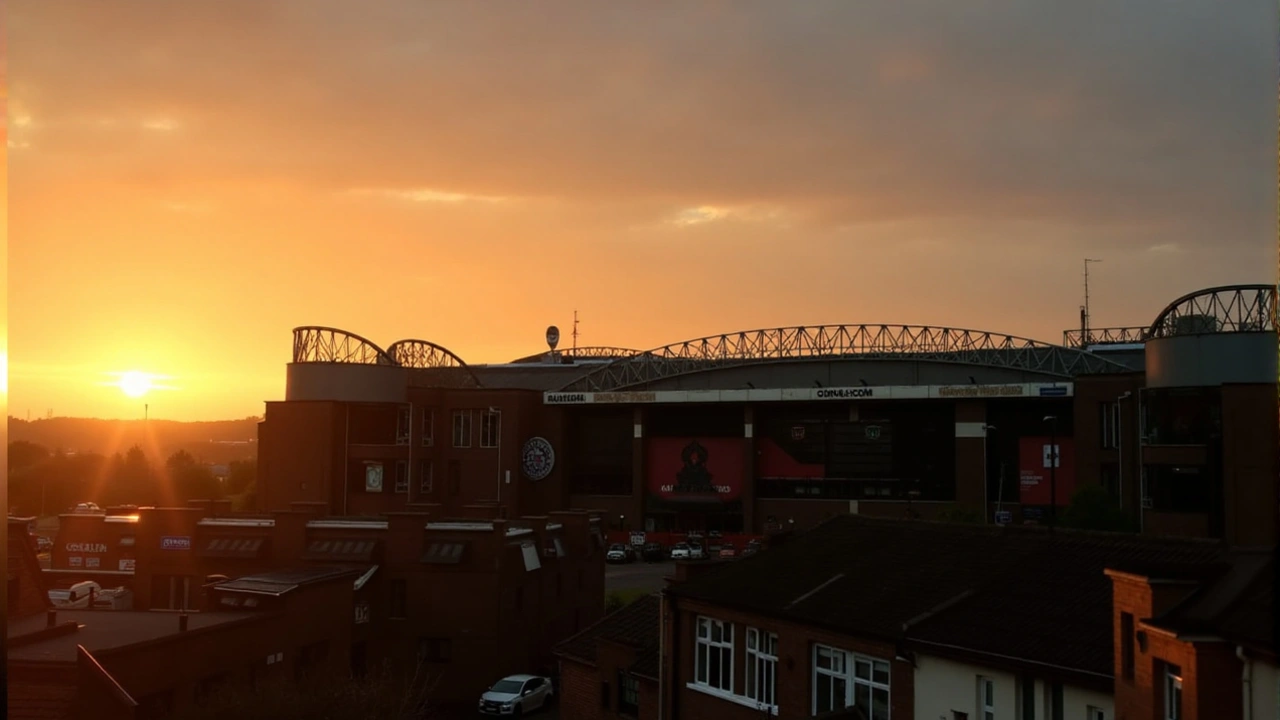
1035, 458
695, 470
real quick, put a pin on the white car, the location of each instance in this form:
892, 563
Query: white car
75, 597
696, 552
516, 694
681, 551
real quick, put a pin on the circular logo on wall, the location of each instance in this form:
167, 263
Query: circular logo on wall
537, 458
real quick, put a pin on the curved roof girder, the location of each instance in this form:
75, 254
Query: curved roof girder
1231, 308
849, 342
590, 352
426, 355
319, 344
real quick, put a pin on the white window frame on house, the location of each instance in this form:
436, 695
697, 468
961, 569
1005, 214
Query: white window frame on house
713, 637
462, 428
425, 477
986, 698
1172, 693
1109, 425
402, 477
762, 668
428, 427
843, 668
490, 428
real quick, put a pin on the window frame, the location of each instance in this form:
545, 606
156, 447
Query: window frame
404, 424
461, 429
986, 698
426, 476
1109, 424
628, 694
402, 477
723, 646
849, 676
761, 656
1093, 712
428, 426
1172, 687
490, 436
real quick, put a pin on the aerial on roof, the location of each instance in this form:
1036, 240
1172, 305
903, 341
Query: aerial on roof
1019, 592
636, 626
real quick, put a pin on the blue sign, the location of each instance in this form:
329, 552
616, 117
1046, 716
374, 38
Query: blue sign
1004, 517
1053, 392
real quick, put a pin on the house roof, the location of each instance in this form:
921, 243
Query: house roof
280, 582
636, 625
99, 630
1017, 592
1237, 605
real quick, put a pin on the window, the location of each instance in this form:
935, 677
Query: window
462, 428
1178, 489
455, 477
1172, 693
1027, 697
1126, 646
402, 476
762, 666
986, 698
1055, 702
428, 426
713, 658
1109, 425
399, 599
435, 650
605, 698
628, 695
1095, 713
424, 477
490, 428
404, 425
842, 679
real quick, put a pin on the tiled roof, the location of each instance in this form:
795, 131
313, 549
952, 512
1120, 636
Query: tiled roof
1020, 592
636, 625
1238, 604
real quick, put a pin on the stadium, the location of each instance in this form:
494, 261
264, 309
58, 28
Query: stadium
763, 430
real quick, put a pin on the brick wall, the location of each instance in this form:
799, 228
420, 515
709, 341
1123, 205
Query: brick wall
579, 691
26, 593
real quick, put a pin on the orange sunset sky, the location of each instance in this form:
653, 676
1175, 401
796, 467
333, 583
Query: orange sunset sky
190, 180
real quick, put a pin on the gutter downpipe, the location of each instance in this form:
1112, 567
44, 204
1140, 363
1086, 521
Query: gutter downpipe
1246, 683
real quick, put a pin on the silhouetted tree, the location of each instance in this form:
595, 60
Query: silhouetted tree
1093, 508
191, 480
23, 455
242, 476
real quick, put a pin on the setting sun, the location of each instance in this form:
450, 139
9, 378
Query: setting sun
135, 384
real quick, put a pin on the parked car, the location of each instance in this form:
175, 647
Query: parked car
619, 553
88, 508
79, 595
728, 552
753, 547
681, 551
696, 552
652, 552
515, 695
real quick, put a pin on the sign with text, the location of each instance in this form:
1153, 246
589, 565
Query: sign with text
175, 542
362, 612
86, 547
1041, 462
695, 470
812, 394
128, 564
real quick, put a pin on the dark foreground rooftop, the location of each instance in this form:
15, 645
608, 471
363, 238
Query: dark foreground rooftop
105, 630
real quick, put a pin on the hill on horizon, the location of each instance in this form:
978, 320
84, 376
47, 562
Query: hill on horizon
216, 441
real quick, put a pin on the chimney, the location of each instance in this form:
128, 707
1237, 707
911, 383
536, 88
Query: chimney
51, 618
182, 622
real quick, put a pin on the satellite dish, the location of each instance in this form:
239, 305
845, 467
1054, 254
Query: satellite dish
553, 336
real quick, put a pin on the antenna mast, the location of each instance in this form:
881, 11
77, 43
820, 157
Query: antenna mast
575, 332
1084, 309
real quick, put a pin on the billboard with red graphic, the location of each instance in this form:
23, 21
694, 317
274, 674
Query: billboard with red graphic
1035, 460
695, 470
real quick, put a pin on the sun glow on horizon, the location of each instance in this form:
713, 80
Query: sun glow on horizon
135, 384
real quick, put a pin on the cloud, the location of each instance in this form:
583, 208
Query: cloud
427, 195
1165, 249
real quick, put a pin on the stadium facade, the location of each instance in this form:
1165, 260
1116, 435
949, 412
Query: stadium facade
757, 431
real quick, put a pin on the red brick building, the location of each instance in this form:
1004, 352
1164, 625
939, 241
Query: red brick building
922, 620
751, 433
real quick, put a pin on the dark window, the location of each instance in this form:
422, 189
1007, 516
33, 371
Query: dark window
309, 659
404, 425
1126, 646
1178, 416
402, 476
606, 700
602, 442
424, 477
428, 426
435, 650
1172, 692
1028, 693
209, 688
1178, 489
1109, 477
490, 428
1055, 702
455, 477
399, 598
1109, 425
462, 428
628, 695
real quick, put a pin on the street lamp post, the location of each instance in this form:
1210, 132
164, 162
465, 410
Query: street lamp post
1053, 469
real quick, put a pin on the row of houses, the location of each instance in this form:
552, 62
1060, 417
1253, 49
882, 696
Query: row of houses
894, 620
461, 601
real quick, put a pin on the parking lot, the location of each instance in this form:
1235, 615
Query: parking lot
637, 576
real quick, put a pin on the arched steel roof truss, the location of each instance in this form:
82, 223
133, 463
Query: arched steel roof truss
316, 344
1226, 309
589, 352
853, 342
